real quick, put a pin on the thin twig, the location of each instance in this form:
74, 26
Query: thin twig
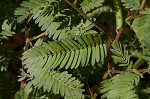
27, 29
89, 88
142, 4
134, 17
84, 15
38, 36
118, 35
26, 47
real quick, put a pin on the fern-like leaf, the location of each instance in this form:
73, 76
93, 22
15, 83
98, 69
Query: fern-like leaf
66, 53
81, 28
50, 17
131, 4
6, 30
88, 5
141, 26
59, 83
30, 8
35, 94
120, 57
120, 86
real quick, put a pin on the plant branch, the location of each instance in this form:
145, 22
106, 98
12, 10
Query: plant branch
142, 4
84, 15
27, 29
118, 35
38, 36
121, 29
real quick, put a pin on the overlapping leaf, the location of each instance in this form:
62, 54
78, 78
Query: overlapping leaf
50, 17
59, 83
81, 28
88, 5
141, 26
68, 53
30, 8
43, 12
120, 57
131, 4
6, 30
120, 86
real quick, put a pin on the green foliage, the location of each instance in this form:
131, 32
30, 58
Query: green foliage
66, 54
88, 5
67, 57
51, 16
141, 27
131, 4
120, 86
121, 57
30, 8
6, 30
60, 83
53, 54
142, 31
82, 28
57, 82
20, 95
44, 13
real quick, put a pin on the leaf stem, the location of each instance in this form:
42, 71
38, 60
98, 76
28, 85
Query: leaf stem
142, 4
38, 36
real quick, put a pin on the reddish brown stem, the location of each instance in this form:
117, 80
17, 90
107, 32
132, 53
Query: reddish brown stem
118, 35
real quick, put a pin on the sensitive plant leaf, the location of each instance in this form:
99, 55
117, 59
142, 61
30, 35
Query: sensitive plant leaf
43, 58
119, 56
132, 5
88, 5
141, 26
112, 88
7, 30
